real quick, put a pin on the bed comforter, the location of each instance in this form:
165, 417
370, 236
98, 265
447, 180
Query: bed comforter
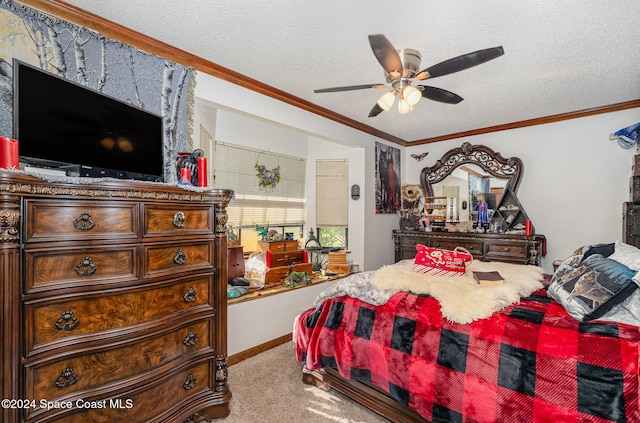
530, 362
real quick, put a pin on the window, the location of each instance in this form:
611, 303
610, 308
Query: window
332, 201
282, 208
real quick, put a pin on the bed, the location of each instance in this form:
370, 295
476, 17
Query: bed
407, 355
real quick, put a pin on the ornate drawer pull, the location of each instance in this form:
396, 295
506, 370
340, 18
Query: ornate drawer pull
180, 258
190, 296
191, 339
86, 267
67, 321
84, 222
67, 378
179, 220
190, 383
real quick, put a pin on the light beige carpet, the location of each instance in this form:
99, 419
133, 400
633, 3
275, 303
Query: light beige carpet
268, 388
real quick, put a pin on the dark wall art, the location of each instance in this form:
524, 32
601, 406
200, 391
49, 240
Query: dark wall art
108, 66
388, 186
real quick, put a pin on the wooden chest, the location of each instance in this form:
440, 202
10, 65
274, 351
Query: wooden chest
278, 246
275, 275
116, 295
283, 257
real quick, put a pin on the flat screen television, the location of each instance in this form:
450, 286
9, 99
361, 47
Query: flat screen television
61, 124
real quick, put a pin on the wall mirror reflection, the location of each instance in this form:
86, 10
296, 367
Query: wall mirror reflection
463, 189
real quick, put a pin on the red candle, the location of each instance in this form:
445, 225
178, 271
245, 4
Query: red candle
528, 227
202, 171
9, 153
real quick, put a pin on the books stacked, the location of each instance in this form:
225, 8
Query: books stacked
488, 278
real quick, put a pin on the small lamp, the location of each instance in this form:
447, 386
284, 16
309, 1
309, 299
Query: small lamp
314, 250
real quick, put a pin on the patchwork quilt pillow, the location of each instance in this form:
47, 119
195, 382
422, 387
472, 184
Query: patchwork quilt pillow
589, 287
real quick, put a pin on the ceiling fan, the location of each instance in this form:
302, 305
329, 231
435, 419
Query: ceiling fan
401, 71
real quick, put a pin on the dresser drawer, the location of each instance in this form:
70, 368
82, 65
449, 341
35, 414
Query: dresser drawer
507, 250
286, 258
171, 393
475, 248
167, 259
160, 220
75, 267
61, 220
278, 246
95, 317
410, 242
81, 372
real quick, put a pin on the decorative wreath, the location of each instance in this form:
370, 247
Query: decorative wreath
267, 178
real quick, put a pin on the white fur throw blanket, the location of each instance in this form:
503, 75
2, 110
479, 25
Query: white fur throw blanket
462, 299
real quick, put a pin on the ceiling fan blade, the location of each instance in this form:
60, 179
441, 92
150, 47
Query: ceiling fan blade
463, 62
386, 54
349, 88
375, 110
438, 94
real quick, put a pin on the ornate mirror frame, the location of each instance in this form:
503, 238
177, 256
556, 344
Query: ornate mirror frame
490, 161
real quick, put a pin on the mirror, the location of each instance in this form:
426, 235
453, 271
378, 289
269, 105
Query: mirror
465, 177
466, 186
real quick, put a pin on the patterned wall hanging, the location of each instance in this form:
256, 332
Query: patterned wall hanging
88, 58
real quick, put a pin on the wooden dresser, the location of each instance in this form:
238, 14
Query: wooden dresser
519, 249
113, 301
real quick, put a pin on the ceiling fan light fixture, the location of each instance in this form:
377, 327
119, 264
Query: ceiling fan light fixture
412, 95
404, 107
386, 101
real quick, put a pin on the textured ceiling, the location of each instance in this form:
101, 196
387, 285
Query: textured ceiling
560, 56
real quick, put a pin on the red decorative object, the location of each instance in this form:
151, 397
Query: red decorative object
185, 176
9, 153
202, 171
528, 227
435, 261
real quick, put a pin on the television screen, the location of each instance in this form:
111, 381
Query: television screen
60, 123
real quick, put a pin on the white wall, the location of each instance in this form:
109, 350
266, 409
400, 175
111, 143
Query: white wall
575, 179
256, 322
315, 137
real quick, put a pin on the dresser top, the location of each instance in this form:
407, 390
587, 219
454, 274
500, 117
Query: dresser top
23, 184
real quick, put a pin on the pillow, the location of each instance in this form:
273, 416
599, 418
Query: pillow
627, 255
592, 287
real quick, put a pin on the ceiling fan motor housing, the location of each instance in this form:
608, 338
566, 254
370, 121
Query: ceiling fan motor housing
410, 63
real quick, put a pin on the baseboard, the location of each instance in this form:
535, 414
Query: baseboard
243, 355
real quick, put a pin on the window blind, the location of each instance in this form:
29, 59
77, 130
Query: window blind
234, 168
332, 193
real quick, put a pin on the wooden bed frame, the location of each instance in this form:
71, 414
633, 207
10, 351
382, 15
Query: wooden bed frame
365, 394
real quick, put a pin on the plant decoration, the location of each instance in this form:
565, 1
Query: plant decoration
294, 279
267, 178
267, 234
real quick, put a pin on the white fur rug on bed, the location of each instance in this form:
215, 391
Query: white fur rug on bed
462, 299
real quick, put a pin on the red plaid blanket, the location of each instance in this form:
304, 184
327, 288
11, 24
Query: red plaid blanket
531, 362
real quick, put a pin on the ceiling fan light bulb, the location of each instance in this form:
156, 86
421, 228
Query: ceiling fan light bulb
386, 101
404, 107
412, 95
